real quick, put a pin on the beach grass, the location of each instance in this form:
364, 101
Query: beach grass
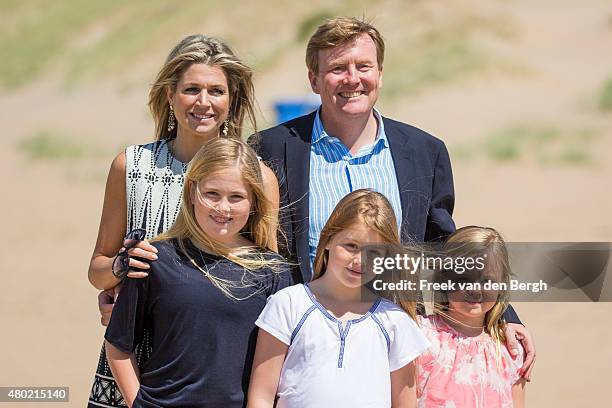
545, 145
441, 51
51, 145
309, 24
36, 33
605, 96
95, 40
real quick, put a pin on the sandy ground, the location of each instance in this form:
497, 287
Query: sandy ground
50, 333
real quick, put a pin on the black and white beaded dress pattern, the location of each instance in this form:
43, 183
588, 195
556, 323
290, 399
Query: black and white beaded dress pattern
154, 183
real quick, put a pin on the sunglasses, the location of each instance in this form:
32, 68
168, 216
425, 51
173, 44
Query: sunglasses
121, 263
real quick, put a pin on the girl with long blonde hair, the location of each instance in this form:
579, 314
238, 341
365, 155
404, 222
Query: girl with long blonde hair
468, 364
199, 303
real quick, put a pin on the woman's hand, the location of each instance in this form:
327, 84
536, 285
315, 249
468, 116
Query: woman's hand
140, 255
106, 299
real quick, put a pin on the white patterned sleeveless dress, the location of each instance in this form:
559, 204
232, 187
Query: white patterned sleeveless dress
154, 182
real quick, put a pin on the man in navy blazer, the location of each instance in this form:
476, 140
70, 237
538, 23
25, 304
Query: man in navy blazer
335, 144
421, 164
348, 78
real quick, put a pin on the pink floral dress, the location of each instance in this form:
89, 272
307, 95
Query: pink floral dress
464, 372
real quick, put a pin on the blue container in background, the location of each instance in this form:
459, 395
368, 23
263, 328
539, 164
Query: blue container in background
287, 110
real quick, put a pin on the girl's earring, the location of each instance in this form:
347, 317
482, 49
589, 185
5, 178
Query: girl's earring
225, 127
171, 121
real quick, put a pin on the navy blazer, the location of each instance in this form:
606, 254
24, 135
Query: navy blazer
423, 174
424, 177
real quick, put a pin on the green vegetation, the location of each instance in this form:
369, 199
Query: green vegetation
445, 50
135, 29
505, 144
49, 145
266, 59
605, 96
309, 24
439, 63
545, 145
37, 32
575, 155
66, 156
461, 152
513, 142
96, 40
87, 36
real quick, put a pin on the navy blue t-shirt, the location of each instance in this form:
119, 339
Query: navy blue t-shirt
203, 341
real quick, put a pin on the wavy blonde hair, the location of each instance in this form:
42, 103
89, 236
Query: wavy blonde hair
200, 49
370, 209
472, 241
214, 157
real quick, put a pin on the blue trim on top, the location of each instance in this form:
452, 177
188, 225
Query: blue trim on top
343, 332
319, 306
384, 332
372, 309
301, 323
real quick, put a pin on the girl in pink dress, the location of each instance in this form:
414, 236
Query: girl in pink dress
468, 364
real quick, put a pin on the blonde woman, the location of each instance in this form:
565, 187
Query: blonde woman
202, 92
323, 344
214, 272
468, 364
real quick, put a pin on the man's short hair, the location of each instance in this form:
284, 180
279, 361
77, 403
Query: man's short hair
337, 31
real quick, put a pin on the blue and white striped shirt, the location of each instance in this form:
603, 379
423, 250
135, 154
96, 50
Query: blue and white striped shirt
335, 172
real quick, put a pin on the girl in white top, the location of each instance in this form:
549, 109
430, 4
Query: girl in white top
323, 344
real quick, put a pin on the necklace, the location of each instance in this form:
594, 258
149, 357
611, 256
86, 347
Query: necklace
228, 285
205, 271
446, 319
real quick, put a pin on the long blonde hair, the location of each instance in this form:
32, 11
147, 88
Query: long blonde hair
370, 209
472, 241
216, 156
200, 49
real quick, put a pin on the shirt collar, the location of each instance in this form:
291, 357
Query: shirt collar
319, 133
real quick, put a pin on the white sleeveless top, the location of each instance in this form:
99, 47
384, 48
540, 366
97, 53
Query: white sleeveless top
154, 183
